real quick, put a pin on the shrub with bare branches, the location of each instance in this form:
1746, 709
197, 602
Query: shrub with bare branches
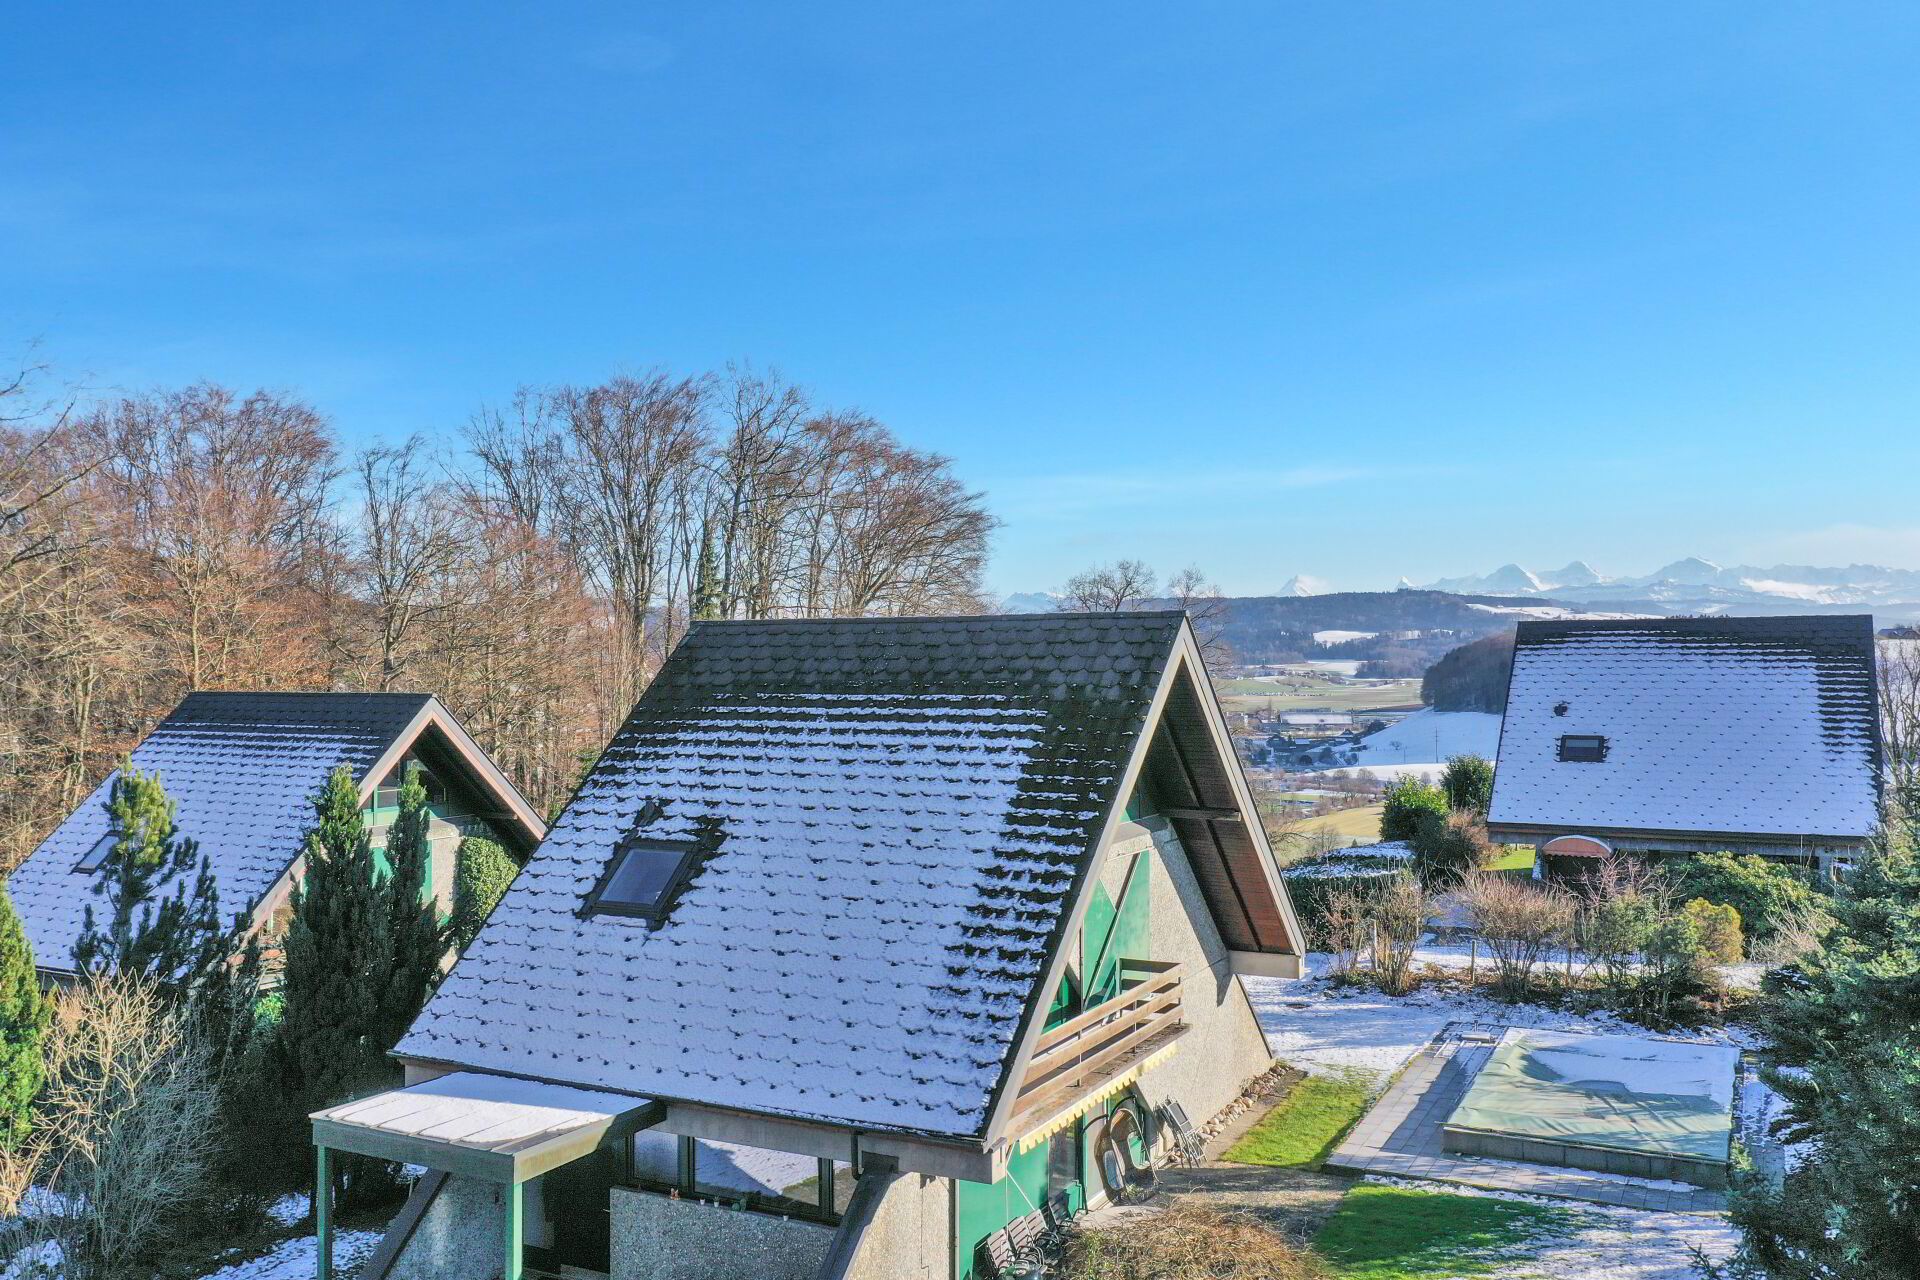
1397, 919
1520, 922
127, 1128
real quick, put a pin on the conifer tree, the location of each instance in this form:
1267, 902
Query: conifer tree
1846, 1026
706, 605
413, 919
158, 924
24, 1012
338, 953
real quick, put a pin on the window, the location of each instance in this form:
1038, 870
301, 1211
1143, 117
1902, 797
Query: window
748, 1177
645, 877
92, 858
1063, 1161
1583, 748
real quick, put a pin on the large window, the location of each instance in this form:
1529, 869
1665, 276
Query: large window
644, 878
731, 1173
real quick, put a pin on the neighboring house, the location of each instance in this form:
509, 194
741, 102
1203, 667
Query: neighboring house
1690, 735
855, 947
242, 770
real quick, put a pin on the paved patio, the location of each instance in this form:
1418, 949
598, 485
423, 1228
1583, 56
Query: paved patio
1400, 1136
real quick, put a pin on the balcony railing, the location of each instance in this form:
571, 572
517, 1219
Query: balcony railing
1089, 1051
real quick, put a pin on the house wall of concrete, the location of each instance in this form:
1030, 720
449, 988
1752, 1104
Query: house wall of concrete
910, 1237
1225, 1048
462, 1235
657, 1237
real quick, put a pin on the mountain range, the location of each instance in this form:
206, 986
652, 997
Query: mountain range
1694, 585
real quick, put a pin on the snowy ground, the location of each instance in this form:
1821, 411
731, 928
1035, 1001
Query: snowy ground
1320, 1027
297, 1259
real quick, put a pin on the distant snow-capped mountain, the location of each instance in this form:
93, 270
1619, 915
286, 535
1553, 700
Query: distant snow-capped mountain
1031, 602
1301, 584
1696, 585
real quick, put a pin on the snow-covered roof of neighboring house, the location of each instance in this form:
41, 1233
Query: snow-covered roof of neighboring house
896, 818
242, 770
1760, 727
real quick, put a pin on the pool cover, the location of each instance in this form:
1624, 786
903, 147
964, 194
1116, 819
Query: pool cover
1621, 1093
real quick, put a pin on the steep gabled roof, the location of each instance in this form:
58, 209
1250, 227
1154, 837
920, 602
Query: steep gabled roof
1766, 727
242, 769
901, 814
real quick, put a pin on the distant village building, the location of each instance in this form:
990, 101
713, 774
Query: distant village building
866, 946
1690, 735
1315, 720
242, 770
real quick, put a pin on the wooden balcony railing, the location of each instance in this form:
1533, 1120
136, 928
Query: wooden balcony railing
1090, 1050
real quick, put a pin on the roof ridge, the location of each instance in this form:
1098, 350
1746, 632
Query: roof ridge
954, 618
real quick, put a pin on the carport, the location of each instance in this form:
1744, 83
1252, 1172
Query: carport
496, 1129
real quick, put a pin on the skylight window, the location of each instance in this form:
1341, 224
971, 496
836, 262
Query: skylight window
92, 858
644, 878
1583, 748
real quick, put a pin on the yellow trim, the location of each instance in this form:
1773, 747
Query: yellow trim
1061, 1119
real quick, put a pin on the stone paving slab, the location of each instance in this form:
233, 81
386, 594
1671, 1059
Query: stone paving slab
1400, 1137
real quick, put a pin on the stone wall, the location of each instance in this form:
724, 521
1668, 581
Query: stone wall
911, 1235
462, 1236
1224, 1048
656, 1237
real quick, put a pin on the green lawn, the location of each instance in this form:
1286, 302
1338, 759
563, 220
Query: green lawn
1392, 1233
1518, 858
1307, 1125
1363, 821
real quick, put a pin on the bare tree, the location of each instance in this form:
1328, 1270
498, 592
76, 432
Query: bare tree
222, 514
413, 533
38, 467
1899, 677
1206, 608
599, 468
1113, 588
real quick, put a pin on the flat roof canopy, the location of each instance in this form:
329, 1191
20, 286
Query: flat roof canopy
475, 1125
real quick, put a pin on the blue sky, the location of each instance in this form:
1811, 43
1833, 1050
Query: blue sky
1353, 290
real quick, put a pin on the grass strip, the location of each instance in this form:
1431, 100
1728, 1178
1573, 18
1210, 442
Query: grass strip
1306, 1125
1396, 1233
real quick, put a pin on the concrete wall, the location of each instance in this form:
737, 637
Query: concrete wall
656, 1237
911, 1236
462, 1236
1225, 1048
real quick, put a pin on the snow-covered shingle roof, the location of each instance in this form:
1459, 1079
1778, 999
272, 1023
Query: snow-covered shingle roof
900, 811
1742, 726
241, 769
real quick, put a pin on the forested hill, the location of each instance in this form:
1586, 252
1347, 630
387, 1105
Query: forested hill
1280, 628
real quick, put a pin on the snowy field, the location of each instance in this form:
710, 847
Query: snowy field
1323, 1028
1430, 737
